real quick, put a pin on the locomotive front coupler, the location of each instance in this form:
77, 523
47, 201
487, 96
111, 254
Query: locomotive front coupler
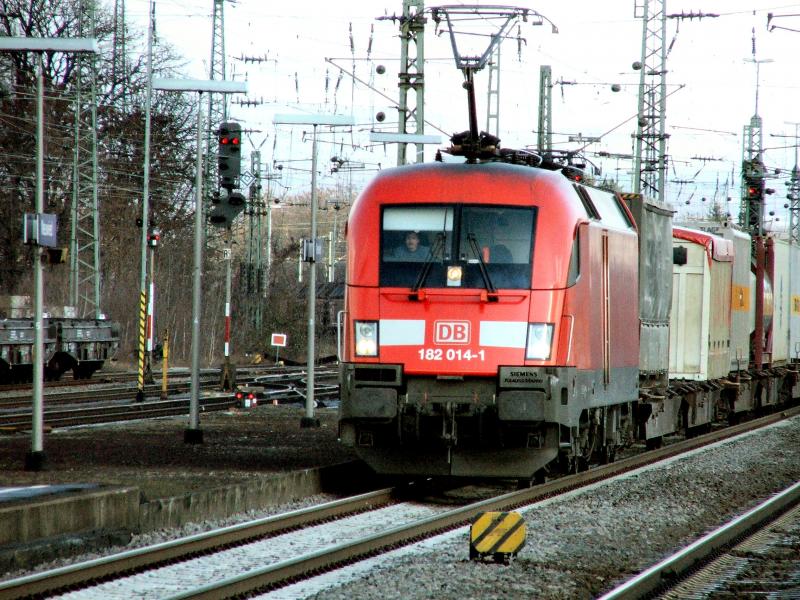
449, 436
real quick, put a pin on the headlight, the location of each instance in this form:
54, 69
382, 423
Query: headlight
366, 338
540, 337
454, 274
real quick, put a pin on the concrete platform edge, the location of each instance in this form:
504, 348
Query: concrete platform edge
107, 508
53, 526
229, 500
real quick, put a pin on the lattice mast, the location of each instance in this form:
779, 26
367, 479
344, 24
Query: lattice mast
254, 275
545, 129
85, 222
751, 210
119, 66
217, 103
793, 194
650, 160
411, 79
493, 94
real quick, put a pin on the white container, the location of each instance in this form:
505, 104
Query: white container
699, 331
794, 303
781, 290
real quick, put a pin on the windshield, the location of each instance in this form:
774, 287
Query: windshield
457, 246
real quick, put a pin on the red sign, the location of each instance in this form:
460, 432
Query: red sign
279, 339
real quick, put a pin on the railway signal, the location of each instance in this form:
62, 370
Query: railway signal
229, 163
226, 208
755, 188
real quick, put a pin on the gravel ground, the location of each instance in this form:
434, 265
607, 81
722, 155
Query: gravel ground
239, 446
577, 546
580, 546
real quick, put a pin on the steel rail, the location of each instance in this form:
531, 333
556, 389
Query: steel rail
110, 413
304, 566
668, 571
279, 574
140, 410
110, 393
143, 558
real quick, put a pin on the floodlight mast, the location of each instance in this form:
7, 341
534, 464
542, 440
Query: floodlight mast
470, 142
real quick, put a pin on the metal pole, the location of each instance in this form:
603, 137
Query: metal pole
330, 257
35, 459
309, 420
151, 317
269, 240
194, 435
144, 355
227, 375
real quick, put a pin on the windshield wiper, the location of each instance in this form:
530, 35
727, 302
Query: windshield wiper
438, 244
487, 281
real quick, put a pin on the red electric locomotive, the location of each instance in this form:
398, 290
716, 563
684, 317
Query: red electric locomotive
491, 321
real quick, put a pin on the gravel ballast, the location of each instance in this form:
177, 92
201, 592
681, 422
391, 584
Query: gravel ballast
578, 546
581, 545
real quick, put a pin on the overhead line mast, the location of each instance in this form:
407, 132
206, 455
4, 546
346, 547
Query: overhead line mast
751, 211
217, 103
545, 129
85, 225
793, 194
411, 79
650, 154
119, 66
650, 161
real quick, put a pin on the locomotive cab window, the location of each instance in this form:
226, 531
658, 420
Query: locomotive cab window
457, 246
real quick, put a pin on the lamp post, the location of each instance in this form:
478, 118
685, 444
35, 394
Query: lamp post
193, 434
310, 253
35, 459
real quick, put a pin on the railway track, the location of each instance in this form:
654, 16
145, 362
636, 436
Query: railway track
723, 563
107, 413
244, 374
302, 561
117, 404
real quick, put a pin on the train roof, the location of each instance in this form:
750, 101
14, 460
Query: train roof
496, 183
716, 247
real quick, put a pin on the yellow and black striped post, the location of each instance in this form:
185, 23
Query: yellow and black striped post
165, 366
142, 349
499, 535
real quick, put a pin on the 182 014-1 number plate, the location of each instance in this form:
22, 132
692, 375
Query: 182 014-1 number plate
450, 354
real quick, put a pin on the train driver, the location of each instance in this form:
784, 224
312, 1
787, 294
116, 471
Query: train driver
412, 249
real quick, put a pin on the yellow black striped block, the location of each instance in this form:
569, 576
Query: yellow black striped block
499, 535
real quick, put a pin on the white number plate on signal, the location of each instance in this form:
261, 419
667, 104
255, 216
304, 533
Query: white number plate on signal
450, 354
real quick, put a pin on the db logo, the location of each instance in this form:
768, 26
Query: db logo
451, 332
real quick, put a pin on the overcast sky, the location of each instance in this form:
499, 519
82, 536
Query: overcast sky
711, 82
